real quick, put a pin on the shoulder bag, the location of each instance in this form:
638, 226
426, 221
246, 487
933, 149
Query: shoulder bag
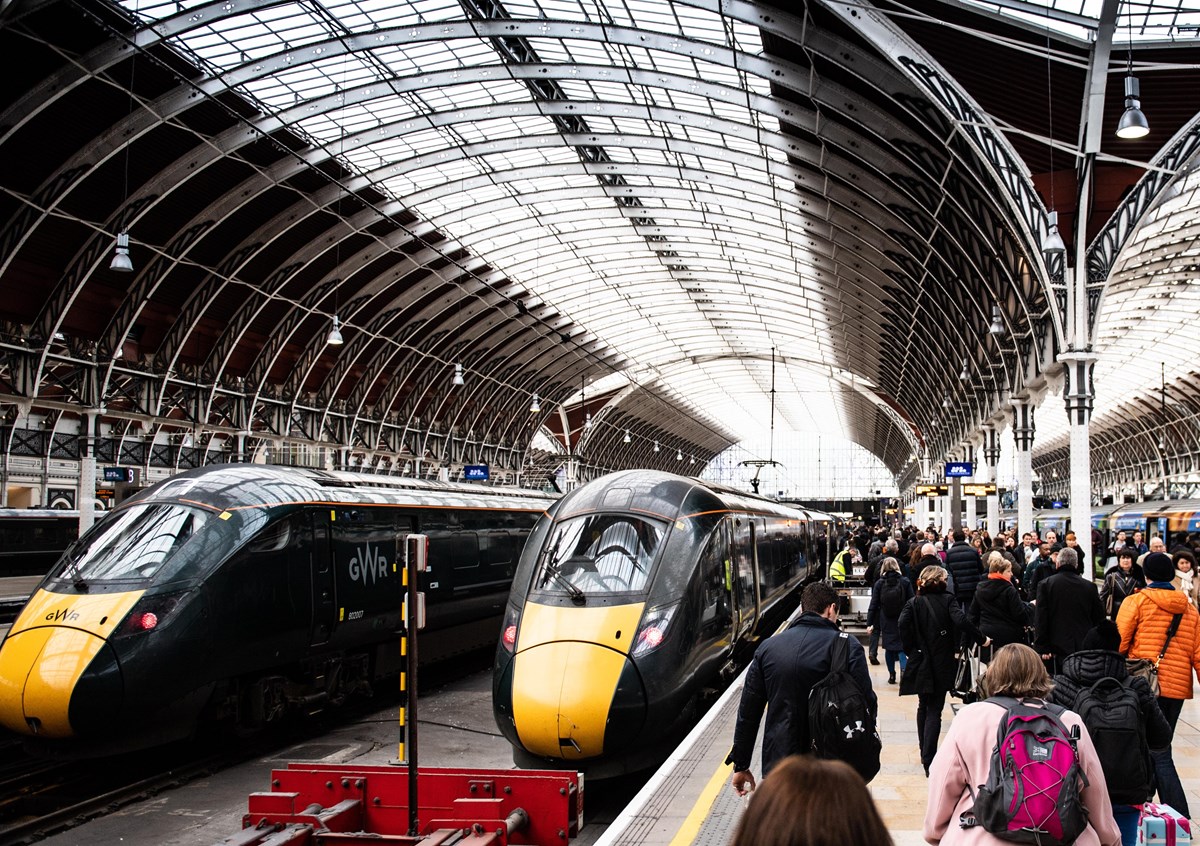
1147, 669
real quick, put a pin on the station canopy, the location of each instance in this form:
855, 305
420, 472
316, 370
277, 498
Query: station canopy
669, 222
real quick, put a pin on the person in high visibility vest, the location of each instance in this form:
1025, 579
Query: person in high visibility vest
843, 562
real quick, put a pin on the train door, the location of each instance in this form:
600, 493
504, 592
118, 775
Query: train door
324, 594
1158, 526
745, 575
718, 600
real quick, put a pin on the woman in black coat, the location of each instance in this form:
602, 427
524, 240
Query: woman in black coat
889, 589
1121, 581
931, 627
997, 609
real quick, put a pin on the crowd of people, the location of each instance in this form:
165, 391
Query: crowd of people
1107, 666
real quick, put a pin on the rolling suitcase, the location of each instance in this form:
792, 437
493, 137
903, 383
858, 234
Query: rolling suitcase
1162, 825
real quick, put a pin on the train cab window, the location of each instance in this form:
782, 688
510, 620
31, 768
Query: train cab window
599, 554
139, 542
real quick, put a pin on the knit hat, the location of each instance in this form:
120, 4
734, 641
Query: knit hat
1158, 567
1104, 636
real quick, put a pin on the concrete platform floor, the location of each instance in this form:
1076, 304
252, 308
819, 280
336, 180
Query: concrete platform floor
900, 789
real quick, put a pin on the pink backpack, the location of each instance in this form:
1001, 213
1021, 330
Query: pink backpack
1034, 781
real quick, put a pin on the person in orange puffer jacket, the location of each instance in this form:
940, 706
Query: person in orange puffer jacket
1144, 620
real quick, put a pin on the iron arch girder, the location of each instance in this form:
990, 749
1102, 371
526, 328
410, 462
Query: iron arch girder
540, 347
1180, 155
338, 276
607, 35
377, 333
969, 123
89, 258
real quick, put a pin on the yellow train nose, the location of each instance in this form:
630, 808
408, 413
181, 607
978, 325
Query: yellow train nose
566, 696
56, 651
39, 669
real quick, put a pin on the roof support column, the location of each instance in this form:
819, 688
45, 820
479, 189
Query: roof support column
1079, 361
86, 496
969, 501
1023, 436
922, 512
1079, 394
991, 456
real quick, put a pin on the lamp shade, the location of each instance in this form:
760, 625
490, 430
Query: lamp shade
535, 407
120, 260
458, 375
997, 328
335, 333
1053, 242
1133, 123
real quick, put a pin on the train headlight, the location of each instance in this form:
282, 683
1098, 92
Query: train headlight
149, 613
508, 633
654, 630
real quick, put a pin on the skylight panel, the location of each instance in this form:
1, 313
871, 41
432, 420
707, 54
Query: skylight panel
587, 52
677, 64
702, 24
531, 157
612, 92
653, 16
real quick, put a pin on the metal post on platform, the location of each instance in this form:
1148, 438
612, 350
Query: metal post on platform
416, 554
991, 455
1023, 429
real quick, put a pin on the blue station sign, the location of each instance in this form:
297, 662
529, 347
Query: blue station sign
475, 472
118, 474
959, 470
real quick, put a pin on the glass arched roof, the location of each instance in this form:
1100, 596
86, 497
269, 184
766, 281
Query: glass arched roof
1136, 20
688, 253
732, 203
1146, 323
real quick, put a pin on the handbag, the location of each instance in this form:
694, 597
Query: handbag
966, 675
1144, 668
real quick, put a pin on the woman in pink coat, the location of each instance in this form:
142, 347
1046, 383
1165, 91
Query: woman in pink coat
964, 758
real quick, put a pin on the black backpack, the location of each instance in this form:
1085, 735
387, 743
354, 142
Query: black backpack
840, 719
1112, 713
891, 597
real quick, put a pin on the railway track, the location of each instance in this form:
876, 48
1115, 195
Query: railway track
60, 797
42, 796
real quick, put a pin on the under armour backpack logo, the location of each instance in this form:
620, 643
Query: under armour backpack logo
850, 730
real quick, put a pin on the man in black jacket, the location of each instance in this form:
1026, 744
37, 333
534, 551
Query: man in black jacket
965, 566
1128, 766
1068, 607
784, 669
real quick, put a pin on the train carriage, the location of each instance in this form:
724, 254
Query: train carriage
243, 592
636, 597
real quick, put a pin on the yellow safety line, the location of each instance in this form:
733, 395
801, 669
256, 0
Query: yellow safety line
691, 824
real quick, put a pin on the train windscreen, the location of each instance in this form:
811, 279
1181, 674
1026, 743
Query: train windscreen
598, 554
153, 541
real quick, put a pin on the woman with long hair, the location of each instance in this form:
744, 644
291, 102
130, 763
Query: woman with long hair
888, 597
931, 627
782, 811
964, 761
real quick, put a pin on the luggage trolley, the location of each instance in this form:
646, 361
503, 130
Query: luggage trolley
854, 598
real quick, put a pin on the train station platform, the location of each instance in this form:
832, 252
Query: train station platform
690, 801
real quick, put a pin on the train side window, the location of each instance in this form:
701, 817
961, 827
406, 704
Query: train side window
716, 585
273, 538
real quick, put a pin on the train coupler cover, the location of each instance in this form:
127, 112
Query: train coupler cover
316, 805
